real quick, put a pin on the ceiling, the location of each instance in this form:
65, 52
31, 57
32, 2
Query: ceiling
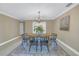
29, 11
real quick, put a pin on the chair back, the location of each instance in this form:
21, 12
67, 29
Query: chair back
54, 36
23, 36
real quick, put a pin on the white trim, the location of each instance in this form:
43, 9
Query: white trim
71, 51
6, 14
21, 28
8, 46
74, 5
9, 41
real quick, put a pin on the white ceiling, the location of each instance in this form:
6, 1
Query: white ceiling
29, 11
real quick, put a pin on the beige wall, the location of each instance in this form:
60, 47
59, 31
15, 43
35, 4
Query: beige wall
70, 37
9, 28
49, 26
28, 26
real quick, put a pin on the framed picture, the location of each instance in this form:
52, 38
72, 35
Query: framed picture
64, 23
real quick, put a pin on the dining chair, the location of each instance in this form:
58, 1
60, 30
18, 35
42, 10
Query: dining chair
54, 37
25, 37
44, 42
33, 42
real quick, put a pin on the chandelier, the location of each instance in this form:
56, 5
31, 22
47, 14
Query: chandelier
38, 17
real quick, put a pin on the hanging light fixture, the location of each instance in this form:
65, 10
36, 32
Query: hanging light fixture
38, 17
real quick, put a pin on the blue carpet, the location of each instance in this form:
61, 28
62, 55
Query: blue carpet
23, 50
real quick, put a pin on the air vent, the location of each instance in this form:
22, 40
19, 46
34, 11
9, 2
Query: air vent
69, 4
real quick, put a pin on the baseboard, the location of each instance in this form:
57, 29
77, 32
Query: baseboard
67, 48
9, 46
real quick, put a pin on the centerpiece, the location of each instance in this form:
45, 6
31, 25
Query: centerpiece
38, 29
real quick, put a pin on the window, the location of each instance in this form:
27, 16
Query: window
41, 24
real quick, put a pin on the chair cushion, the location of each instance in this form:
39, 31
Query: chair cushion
33, 40
44, 41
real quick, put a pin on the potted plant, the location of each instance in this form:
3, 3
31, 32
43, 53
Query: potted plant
38, 29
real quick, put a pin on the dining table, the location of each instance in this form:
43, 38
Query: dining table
40, 37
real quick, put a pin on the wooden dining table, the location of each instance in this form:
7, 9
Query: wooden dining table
36, 36
46, 35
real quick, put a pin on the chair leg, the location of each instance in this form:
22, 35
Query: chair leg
29, 47
23, 45
48, 48
55, 43
41, 46
36, 47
